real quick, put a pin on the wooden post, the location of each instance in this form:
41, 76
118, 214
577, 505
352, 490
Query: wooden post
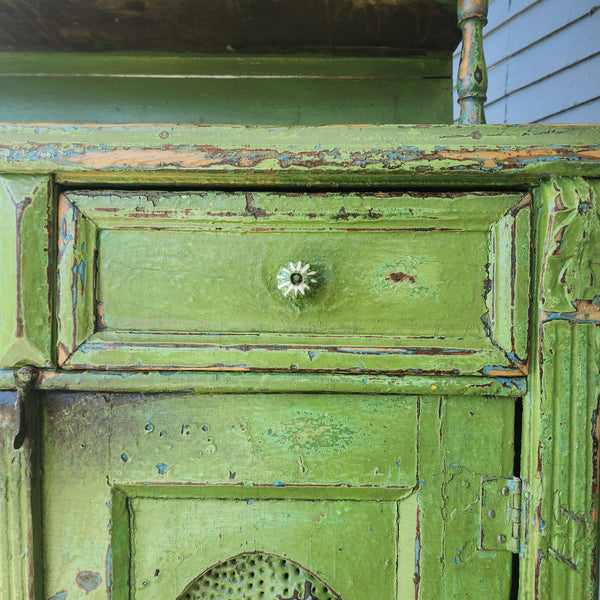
472, 73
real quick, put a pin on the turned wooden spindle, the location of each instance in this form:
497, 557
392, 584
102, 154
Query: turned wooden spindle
472, 73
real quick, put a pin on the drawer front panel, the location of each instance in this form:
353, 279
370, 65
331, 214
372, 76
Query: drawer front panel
205, 280
367, 284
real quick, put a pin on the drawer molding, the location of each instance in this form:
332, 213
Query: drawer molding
392, 325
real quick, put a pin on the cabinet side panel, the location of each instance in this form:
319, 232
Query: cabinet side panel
17, 494
560, 440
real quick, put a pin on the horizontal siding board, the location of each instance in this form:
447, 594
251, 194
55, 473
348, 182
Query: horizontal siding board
497, 81
498, 13
556, 93
496, 113
555, 53
588, 112
527, 27
542, 59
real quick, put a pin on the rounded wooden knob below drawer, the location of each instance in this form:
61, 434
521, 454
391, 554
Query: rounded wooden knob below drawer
295, 278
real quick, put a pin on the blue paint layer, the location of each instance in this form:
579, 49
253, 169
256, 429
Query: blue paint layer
162, 468
88, 580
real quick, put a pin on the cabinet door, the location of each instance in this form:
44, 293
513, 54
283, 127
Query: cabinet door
274, 495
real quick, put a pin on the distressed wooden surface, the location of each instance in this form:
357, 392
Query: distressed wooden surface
458, 436
457, 448
76, 279
142, 518
26, 303
348, 156
345, 446
560, 413
405, 283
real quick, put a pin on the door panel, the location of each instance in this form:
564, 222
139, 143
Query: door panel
367, 496
349, 545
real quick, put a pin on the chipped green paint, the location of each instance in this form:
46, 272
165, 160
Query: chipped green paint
572, 265
267, 382
19, 508
355, 155
252, 491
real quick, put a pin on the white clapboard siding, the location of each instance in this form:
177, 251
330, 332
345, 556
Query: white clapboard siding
577, 114
527, 23
543, 60
553, 95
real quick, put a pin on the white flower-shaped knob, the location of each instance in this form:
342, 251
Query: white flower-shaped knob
295, 278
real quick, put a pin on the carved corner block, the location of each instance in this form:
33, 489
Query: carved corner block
25, 270
571, 267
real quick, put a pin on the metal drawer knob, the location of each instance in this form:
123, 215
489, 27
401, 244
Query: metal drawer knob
295, 278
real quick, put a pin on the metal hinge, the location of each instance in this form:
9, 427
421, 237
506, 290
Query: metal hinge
25, 379
500, 514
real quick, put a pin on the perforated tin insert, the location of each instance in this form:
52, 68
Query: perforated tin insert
258, 576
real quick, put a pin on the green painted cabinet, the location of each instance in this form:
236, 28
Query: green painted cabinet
182, 419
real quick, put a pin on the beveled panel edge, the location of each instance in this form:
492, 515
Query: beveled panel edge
115, 350
508, 296
299, 211
75, 293
263, 491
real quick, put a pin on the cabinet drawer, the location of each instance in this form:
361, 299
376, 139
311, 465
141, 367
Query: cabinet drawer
207, 280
